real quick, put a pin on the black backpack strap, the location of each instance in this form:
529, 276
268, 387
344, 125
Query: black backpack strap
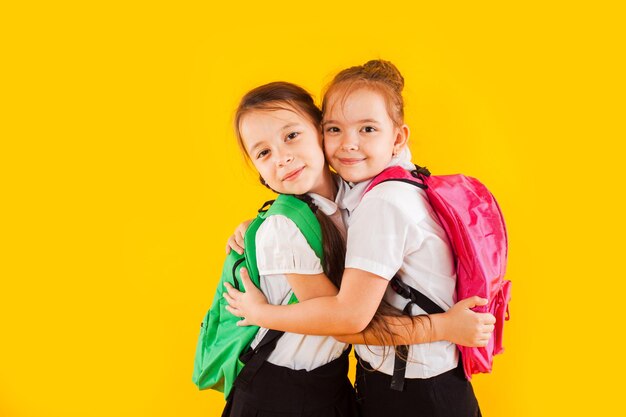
402, 351
415, 297
254, 358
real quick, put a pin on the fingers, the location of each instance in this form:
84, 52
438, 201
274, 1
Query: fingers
239, 238
236, 241
486, 318
483, 338
233, 243
234, 311
237, 313
231, 294
230, 300
245, 279
231, 290
471, 302
479, 301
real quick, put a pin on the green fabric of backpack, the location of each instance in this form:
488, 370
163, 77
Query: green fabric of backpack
221, 341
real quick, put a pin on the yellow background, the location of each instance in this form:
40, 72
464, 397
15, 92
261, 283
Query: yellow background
121, 182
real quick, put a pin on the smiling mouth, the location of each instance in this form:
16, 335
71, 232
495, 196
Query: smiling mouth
350, 161
293, 174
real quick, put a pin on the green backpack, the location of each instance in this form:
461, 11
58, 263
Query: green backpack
218, 363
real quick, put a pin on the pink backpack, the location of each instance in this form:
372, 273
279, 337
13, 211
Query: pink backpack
475, 227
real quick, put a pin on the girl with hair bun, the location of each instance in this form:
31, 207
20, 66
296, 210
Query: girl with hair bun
392, 230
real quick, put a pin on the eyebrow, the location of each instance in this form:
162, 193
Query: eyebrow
328, 122
282, 129
289, 126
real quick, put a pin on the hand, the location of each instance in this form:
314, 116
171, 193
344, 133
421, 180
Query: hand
235, 242
244, 304
465, 327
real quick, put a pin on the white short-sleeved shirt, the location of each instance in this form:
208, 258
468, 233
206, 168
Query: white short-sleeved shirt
393, 230
282, 249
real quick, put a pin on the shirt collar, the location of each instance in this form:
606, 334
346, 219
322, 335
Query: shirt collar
327, 206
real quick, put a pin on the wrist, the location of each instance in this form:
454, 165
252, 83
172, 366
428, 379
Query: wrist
256, 313
439, 327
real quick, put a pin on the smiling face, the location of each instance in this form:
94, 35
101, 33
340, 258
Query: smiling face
359, 135
285, 147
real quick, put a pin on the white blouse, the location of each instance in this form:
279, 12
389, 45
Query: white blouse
282, 249
393, 230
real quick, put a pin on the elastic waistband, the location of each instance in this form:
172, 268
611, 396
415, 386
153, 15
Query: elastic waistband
284, 389
367, 368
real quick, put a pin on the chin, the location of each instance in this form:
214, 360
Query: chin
298, 190
351, 177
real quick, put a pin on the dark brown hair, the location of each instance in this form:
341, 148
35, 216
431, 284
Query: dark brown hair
286, 96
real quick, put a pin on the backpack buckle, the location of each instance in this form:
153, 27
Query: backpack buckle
267, 204
420, 172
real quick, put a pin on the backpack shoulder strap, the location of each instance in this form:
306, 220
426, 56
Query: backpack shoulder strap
397, 173
299, 212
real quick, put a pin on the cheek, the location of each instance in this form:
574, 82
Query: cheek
383, 146
329, 147
262, 169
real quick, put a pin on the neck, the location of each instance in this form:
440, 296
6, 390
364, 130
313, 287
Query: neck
328, 188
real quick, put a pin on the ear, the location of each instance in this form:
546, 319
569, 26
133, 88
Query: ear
402, 138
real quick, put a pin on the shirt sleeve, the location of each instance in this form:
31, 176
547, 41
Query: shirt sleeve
281, 248
377, 236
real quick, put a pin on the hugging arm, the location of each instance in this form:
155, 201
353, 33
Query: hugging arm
459, 325
347, 314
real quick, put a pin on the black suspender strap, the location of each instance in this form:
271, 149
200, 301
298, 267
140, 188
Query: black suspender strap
399, 368
416, 297
402, 351
254, 358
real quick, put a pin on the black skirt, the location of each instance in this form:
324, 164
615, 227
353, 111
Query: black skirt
282, 392
446, 395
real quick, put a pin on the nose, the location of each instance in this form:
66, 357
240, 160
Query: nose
349, 141
283, 158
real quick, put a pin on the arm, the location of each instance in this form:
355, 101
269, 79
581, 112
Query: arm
311, 286
282, 252
459, 325
337, 315
348, 312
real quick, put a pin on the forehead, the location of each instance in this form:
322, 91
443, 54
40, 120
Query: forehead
267, 124
273, 115
266, 120
359, 104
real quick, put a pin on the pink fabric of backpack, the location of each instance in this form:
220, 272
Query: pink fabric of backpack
475, 227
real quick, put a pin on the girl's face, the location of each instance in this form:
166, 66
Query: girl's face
286, 149
359, 136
